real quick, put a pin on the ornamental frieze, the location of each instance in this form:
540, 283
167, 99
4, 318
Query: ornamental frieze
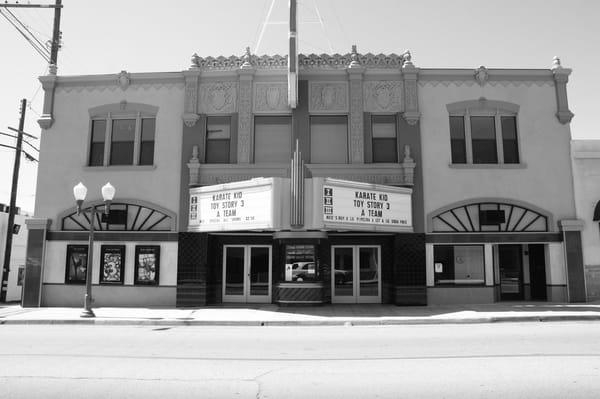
218, 97
270, 98
328, 97
383, 96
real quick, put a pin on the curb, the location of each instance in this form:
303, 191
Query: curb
348, 322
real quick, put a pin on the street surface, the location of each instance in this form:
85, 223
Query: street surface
498, 360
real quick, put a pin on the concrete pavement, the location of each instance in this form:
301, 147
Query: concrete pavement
326, 315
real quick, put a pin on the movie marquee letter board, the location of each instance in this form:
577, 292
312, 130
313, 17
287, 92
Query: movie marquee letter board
76, 264
112, 266
147, 264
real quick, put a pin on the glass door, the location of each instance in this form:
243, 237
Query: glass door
247, 273
511, 272
356, 274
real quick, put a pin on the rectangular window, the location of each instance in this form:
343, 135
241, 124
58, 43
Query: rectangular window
218, 139
77, 262
272, 139
384, 144
328, 139
147, 142
97, 144
509, 139
122, 140
112, 268
483, 137
457, 139
459, 264
300, 264
147, 264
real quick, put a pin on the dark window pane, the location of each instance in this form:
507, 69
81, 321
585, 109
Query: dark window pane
384, 150
483, 136
97, 144
272, 139
457, 139
218, 139
328, 139
384, 138
217, 151
509, 139
147, 144
123, 137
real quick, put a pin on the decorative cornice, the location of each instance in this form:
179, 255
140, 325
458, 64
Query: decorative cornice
310, 61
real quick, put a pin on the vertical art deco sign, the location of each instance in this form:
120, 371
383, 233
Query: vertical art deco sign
147, 264
112, 259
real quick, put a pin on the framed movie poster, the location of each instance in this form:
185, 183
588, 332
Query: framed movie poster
112, 267
77, 263
147, 264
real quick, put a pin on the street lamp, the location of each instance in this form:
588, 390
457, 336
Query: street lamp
108, 193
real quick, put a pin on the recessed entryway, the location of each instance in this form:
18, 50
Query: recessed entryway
247, 273
356, 274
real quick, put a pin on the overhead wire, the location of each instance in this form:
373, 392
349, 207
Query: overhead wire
41, 51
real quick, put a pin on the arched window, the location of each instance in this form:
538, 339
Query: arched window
122, 134
125, 215
489, 215
484, 132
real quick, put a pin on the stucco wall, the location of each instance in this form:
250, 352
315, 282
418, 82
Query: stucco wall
64, 148
586, 173
544, 176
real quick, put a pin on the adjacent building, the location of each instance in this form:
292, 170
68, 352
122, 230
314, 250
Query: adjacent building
14, 281
385, 183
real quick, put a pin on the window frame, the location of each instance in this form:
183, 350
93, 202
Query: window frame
485, 108
232, 145
479, 283
310, 137
291, 147
111, 112
372, 138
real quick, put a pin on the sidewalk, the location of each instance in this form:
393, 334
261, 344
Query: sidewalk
325, 315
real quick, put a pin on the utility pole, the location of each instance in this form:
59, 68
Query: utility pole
55, 35
13, 203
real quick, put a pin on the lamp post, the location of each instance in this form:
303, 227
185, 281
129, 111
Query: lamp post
108, 193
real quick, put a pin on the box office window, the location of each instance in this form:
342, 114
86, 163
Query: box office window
328, 139
384, 144
272, 139
218, 139
300, 263
459, 264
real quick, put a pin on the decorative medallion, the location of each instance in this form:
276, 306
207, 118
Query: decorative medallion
218, 97
124, 80
383, 96
481, 75
270, 98
328, 97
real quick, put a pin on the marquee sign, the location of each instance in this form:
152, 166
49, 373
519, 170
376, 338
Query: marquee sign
363, 206
246, 205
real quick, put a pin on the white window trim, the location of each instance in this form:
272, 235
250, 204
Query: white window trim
124, 110
484, 107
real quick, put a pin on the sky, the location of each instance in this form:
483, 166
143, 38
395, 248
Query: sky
107, 36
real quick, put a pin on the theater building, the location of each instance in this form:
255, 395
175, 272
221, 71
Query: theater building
381, 182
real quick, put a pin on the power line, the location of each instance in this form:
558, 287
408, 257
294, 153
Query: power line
42, 45
42, 51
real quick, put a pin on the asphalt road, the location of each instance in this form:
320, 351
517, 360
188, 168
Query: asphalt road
506, 360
